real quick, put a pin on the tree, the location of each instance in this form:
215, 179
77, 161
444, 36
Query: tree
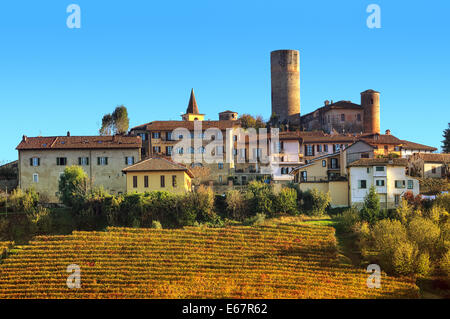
248, 121
73, 186
371, 210
201, 174
446, 141
115, 123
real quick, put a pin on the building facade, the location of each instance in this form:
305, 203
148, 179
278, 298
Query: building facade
42, 160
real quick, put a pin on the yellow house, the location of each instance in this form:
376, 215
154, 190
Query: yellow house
158, 174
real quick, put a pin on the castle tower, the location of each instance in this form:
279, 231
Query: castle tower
285, 76
370, 102
192, 113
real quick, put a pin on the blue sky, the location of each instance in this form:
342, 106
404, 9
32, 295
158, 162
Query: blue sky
147, 55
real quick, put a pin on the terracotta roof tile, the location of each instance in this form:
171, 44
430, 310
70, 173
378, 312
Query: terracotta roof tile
157, 164
79, 142
433, 158
416, 146
380, 161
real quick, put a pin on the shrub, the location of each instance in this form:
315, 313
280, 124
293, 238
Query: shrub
156, 224
256, 220
236, 204
348, 219
204, 198
403, 258
424, 232
21, 201
443, 200
315, 202
260, 196
445, 263
286, 201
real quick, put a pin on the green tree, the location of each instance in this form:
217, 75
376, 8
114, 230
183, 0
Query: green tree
371, 211
248, 121
446, 141
115, 123
73, 186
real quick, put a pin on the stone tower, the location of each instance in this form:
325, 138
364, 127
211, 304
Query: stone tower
370, 102
285, 76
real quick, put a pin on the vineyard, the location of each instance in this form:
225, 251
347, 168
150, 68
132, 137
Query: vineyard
284, 261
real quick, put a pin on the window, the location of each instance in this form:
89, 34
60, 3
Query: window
365, 155
35, 178
410, 184
379, 182
143, 136
163, 181
358, 117
169, 150
179, 150
342, 117
129, 160
362, 184
433, 170
169, 136
134, 181
220, 178
146, 181
102, 161
324, 163
156, 149
309, 150
334, 163
220, 165
397, 148
35, 161
284, 170
319, 148
400, 184
397, 199
379, 168
83, 161
174, 181
337, 147
368, 170
191, 150
61, 161
304, 176
201, 150
156, 134
325, 147
235, 138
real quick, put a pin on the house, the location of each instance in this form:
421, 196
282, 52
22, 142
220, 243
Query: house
42, 160
158, 174
429, 165
358, 150
326, 173
388, 176
409, 148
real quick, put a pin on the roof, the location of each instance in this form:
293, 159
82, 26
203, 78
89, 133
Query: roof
79, 142
370, 91
157, 164
336, 105
311, 162
192, 106
434, 158
416, 146
379, 161
360, 141
171, 125
380, 139
227, 111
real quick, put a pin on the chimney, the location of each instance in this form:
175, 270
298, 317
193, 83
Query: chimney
68, 133
388, 132
326, 102
24, 138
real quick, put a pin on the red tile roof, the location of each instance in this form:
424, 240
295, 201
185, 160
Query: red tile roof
171, 125
79, 142
416, 146
157, 164
380, 161
433, 158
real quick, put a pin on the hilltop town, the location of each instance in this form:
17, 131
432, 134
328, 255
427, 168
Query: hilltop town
236, 207
337, 148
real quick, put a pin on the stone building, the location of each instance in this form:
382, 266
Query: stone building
42, 160
429, 165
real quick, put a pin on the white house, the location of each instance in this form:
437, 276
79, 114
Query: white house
409, 148
387, 175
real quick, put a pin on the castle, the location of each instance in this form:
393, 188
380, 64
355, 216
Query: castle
340, 117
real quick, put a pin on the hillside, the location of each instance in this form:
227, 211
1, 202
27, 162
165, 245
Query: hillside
284, 261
